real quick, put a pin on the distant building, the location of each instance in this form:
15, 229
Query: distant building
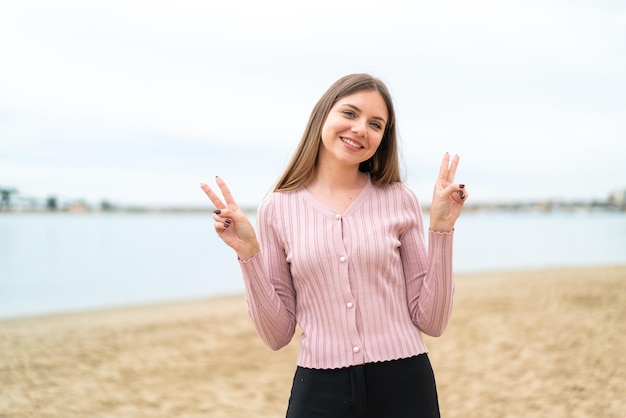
5, 197
618, 197
78, 206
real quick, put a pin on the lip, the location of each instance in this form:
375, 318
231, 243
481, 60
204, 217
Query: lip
354, 141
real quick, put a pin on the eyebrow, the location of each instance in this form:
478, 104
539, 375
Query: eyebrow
359, 110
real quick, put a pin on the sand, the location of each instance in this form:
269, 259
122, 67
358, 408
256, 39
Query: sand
549, 343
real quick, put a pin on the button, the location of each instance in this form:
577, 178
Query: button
356, 349
342, 259
349, 305
338, 216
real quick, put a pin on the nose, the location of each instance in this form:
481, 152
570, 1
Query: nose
360, 127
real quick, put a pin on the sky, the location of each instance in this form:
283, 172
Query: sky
137, 102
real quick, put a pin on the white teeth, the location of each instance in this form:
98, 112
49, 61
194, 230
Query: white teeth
351, 143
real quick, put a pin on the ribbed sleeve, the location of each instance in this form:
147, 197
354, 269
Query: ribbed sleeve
361, 285
270, 294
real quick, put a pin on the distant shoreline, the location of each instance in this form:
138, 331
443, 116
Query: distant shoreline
536, 206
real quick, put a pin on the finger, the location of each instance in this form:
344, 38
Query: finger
443, 169
452, 170
225, 191
460, 196
219, 218
454, 190
214, 197
225, 224
220, 227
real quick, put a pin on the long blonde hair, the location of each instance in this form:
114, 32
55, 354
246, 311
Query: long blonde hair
383, 166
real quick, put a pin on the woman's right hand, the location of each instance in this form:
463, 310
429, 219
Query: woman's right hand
231, 224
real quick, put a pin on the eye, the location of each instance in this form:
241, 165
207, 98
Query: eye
376, 125
349, 113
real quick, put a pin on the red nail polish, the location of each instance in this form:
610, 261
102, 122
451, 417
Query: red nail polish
217, 211
461, 186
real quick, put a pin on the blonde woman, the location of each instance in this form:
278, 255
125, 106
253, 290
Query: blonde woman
341, 252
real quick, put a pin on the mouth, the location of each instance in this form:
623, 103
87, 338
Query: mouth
351, 143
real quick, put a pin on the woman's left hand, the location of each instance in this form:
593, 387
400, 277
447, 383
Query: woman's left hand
448, 197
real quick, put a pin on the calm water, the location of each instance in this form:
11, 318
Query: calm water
63, 262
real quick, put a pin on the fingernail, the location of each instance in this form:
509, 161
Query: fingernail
217, 211
217, 177
226, 225
462, 195
461, 186
228, 220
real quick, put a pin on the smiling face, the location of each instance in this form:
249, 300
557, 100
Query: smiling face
353, 129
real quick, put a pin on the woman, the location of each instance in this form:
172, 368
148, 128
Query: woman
341, 253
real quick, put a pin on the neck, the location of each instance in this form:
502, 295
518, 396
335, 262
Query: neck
338, 177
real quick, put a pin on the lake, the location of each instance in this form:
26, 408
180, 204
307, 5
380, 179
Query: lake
67, 262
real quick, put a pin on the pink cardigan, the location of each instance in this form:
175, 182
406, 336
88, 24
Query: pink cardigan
361, 285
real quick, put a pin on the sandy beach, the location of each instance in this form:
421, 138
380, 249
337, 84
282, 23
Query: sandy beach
540, 343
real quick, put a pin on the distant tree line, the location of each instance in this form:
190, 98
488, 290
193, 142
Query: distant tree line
10, 199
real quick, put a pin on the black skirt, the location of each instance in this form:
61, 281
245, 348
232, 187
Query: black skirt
391, 389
